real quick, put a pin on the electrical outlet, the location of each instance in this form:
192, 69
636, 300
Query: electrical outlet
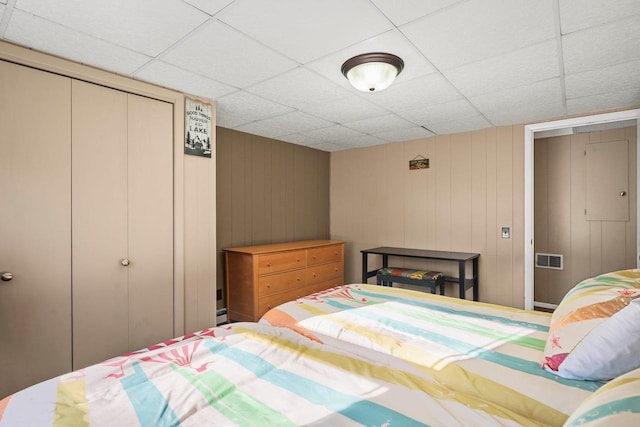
506, 232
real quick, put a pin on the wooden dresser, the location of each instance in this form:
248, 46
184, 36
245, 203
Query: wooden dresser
259, 278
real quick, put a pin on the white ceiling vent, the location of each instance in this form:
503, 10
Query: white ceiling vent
553, 261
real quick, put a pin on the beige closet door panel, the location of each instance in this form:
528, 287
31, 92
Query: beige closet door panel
100, 294
150, 135
35, 226
607, 181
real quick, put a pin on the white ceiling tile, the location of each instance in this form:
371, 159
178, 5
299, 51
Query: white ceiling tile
601, 46
526, 113
540, 93
616, 78
421, 92
603, 102
516, 68
328, 146
416, 132
333, 133
344, 110
415, 64
123, 22
457, 126
294, 122
388, 122
210, 7
263, 129
459, 109
306, 30
409, 10
577, 15
231, 120
361, 141
37, 33
478, 29
171, 76
300, 87
232, 58
250, 107
300, 139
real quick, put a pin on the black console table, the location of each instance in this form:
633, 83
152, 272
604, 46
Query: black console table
460, 257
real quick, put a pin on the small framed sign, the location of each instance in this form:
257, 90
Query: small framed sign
419, 162
197, 128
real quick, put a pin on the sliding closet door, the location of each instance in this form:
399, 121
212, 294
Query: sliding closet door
150, 136
100, 287
35, 226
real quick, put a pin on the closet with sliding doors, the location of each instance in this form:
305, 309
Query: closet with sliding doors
86, 224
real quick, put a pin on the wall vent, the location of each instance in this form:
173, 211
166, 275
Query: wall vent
553, 261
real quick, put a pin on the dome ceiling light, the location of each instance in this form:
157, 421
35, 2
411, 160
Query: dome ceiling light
372, 72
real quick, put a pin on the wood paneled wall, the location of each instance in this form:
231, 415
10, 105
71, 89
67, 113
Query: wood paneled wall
268, 191
589, 247
474, 186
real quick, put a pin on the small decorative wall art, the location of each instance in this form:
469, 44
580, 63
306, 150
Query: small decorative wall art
419, 162
197, 128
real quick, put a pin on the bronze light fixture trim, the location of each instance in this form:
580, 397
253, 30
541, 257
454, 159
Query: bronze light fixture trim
372, 72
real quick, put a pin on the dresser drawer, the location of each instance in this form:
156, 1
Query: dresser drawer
282, 261
325, 272
279, 282
324, 254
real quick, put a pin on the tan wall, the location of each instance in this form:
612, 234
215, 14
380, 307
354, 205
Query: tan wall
268, 192
474, 186
560, 226
194, 192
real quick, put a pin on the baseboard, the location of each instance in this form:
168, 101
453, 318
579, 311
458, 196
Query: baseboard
545, 305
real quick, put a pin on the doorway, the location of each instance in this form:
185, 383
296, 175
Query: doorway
559, 127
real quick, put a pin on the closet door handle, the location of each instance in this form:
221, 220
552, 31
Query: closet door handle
6, 276
124, 262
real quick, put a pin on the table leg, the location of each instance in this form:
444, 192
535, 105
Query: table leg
461, 268
364, 267
385, 261
475, 280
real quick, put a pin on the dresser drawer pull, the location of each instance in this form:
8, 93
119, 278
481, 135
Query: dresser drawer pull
269, 285
298, 279
268, 264
313, 274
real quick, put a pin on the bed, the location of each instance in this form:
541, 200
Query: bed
500, 354
352, 355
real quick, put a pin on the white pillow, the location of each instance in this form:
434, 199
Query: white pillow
611, 349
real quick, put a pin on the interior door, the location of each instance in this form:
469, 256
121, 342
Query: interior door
150, 219
35, 226
607, 181
122, 222
100, 283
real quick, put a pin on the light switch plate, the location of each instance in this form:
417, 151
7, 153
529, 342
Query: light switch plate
506, 232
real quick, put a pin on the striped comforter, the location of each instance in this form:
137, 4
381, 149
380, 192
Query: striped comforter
250, 374
486, 351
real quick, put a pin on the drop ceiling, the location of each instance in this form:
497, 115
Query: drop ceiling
273, 66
